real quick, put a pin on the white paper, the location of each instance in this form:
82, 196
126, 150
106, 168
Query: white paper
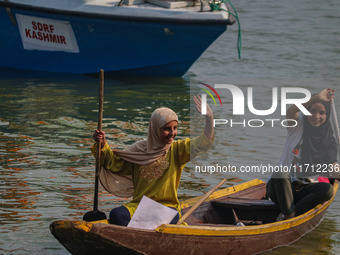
150, 214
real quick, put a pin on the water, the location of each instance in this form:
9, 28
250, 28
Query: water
47, 171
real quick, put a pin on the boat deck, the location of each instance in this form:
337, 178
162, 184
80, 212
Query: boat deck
177, 9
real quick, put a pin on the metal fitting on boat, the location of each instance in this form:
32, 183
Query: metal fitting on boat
215, 5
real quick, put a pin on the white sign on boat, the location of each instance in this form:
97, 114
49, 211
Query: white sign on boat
46, 34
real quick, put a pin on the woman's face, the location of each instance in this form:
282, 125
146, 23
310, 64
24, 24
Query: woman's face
319, 115
169, 132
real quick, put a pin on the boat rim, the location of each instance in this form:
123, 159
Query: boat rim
108, 16
248, 230
200, 230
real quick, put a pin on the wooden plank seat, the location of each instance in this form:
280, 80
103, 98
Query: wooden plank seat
250, 211
246, 203
248, 206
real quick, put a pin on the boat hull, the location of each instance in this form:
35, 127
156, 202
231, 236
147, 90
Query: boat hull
81, 237
117, 44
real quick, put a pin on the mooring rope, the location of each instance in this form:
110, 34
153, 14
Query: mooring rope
215, 6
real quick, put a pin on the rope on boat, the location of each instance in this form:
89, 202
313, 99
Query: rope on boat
215, 6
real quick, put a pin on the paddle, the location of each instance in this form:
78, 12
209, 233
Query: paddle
95, 214
335, 119
336, 125
199, 202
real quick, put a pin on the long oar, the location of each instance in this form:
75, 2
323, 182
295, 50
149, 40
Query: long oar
335, 119
199, 202
95, 214
336, 125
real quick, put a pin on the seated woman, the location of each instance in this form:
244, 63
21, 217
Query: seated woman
309, 145
151, 167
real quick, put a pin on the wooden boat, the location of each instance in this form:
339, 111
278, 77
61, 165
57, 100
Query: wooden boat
211, 228
127, 37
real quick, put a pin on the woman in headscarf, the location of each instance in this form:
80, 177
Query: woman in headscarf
310, 146
151, 167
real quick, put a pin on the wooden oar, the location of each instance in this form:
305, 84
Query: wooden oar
335, 119
95, 214
336, 124
199, 202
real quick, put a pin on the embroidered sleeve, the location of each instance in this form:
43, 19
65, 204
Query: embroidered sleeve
190, 148
200, 144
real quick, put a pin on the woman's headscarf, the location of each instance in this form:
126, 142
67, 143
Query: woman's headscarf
141, 153
319, 145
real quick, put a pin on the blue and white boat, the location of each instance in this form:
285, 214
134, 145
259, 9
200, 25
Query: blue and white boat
131, 37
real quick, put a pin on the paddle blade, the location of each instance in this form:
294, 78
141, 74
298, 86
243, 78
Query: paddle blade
94, 216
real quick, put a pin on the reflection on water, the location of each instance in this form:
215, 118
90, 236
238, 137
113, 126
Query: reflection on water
47, 170
320, 241
46, 124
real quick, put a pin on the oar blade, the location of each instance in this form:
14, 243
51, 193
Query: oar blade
94, 216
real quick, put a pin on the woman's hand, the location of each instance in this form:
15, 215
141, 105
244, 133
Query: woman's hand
99, 136
326, 95
198, 102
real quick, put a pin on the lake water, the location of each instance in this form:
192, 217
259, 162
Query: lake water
46, 124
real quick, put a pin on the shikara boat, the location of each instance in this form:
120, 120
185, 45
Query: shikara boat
127, 37
211, 229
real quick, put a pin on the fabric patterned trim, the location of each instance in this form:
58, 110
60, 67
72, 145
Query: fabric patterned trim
155, 170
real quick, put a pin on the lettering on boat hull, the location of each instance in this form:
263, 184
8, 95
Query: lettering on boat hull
46, 34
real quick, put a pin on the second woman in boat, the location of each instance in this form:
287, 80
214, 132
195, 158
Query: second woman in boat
309, 145
151, 167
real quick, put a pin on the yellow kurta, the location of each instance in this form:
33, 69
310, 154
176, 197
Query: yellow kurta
158, 181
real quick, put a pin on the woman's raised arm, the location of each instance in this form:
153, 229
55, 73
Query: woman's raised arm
209, 118
325, 95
